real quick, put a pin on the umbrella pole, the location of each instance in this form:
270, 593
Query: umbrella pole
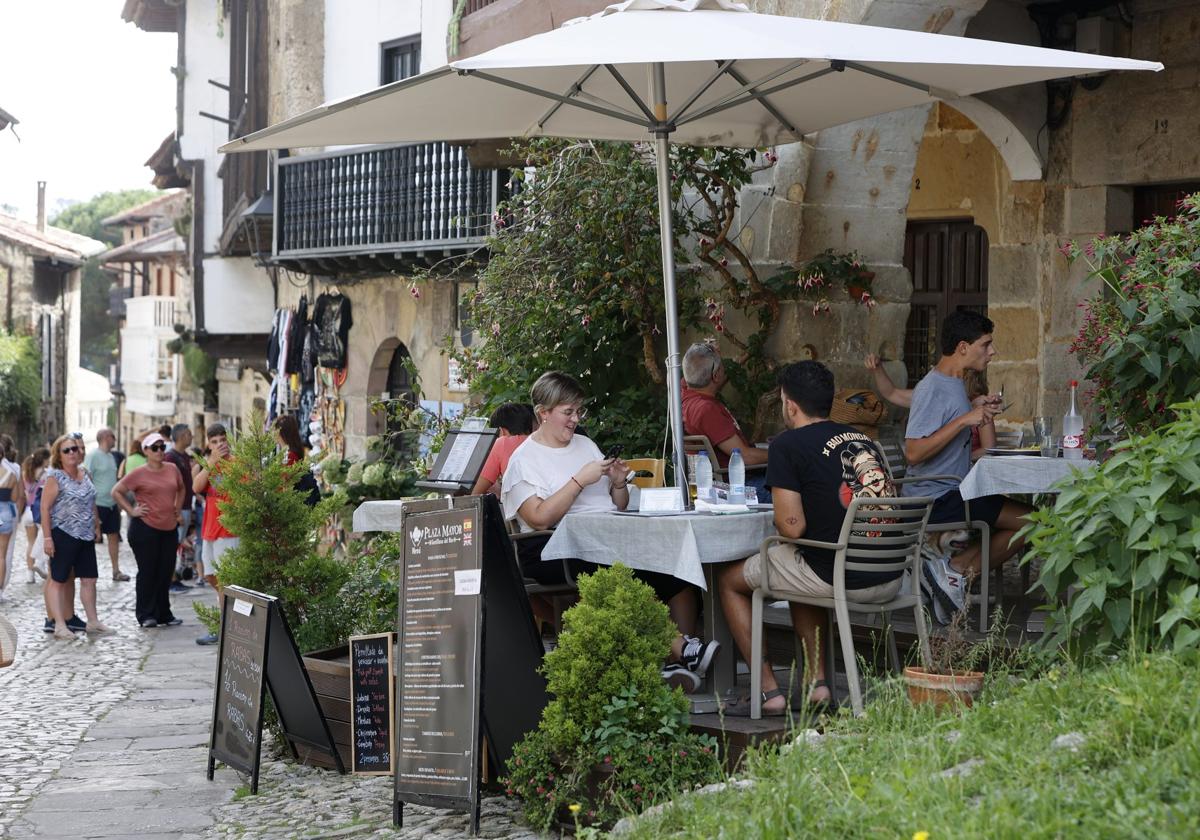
662, 161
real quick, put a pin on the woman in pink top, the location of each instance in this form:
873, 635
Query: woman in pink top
515, 421
153, 519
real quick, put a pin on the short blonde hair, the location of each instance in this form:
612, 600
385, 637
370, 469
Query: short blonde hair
56, 450
555, 388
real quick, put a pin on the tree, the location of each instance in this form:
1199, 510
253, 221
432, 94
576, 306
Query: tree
97, 330
20, 381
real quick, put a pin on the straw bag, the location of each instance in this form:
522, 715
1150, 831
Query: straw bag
8, 642
858, 408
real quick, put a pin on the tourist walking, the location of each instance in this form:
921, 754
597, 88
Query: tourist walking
11, 501
154, 516
217, 538
103, 469
33, 475
70, 521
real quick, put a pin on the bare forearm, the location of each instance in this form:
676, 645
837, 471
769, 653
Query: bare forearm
918, 450
546, 513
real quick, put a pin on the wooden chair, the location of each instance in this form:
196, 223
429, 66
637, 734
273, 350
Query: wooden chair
657, 467
557, 593
863, 545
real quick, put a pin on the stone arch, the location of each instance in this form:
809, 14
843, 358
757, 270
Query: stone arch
387, 376
1016, 148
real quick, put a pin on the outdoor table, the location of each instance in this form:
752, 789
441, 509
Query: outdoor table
1013, 474
688, 546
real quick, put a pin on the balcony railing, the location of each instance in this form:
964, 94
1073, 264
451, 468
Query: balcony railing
150, 311
383, 200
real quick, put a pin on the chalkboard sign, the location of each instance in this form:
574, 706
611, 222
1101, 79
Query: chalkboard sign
437, 715
372, 698
256, 651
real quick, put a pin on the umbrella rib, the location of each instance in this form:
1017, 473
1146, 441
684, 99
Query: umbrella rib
571, 91
557, 97
725, 66
763, 101
733, 102
637, 100
892, 77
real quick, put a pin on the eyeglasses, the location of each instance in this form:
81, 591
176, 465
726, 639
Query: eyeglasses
67, 450
578, 413
75, 435
157, 447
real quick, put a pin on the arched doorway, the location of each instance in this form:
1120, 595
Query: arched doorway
391, 378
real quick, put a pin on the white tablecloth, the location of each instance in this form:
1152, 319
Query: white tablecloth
378, 516
675, 545
1013, 474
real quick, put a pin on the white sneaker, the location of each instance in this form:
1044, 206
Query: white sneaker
678, 676
31, 576
947, 586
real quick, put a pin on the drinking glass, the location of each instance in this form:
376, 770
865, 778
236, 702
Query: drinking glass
1043, 429
691, 473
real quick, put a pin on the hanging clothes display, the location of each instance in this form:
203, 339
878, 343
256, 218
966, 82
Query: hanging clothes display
296, 331
333, 320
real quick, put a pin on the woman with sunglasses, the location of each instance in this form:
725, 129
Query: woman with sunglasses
154, 516
71, 524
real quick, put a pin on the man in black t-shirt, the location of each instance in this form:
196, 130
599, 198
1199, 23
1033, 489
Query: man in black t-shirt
814, 469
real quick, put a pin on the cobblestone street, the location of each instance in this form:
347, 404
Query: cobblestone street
106, 736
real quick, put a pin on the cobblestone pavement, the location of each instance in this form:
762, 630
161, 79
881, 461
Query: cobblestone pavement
106, 736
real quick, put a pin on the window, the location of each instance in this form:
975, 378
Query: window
1159, 200
401, 59
948, 263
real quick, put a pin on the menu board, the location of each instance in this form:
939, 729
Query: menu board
437, 716
238, 707
257, 653
372, 696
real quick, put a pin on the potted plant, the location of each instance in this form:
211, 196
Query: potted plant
615, 738
824, 274
951, 680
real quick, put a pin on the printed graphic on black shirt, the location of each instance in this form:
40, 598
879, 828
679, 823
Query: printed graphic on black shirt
864, 476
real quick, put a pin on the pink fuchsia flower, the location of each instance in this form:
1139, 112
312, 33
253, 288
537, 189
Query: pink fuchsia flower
495, 328
585, 320
415, 292
724, 262
481, 365
1065, 248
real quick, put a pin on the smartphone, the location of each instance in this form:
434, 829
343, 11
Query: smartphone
614, 451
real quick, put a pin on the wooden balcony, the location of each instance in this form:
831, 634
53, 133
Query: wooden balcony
381, 207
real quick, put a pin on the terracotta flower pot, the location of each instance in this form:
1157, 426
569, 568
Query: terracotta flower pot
957, 690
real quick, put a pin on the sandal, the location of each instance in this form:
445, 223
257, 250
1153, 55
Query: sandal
819, 706
740, 707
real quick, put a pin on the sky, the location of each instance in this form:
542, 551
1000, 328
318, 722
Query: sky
94, 95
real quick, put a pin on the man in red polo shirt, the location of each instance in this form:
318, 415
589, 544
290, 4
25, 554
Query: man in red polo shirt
705, 414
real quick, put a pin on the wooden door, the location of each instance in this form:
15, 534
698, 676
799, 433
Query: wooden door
948, 263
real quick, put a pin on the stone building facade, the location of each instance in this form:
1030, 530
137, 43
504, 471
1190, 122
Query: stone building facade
40, 276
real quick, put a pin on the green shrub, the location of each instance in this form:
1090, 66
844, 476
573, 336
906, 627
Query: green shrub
20, 379
615, 737
277, 552
1141, 333
1127, 535
616, 637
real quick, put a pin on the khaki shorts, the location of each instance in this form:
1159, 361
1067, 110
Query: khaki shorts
791, 575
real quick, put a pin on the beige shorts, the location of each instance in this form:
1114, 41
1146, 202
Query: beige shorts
791, 575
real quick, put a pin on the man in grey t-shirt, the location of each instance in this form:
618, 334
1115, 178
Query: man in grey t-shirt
938, 442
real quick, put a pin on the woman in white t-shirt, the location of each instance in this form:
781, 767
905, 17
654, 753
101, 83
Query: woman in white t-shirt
556, 472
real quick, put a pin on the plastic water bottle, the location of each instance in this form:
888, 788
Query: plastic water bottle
737, 478
1073, 429
703, 477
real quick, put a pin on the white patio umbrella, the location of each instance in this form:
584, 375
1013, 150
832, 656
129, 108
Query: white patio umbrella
710, 73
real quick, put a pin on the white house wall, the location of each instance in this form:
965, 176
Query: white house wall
238, 297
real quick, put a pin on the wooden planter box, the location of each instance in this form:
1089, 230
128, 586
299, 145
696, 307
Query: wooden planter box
329, 671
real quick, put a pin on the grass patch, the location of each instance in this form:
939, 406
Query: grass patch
241, 792
1136, 772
